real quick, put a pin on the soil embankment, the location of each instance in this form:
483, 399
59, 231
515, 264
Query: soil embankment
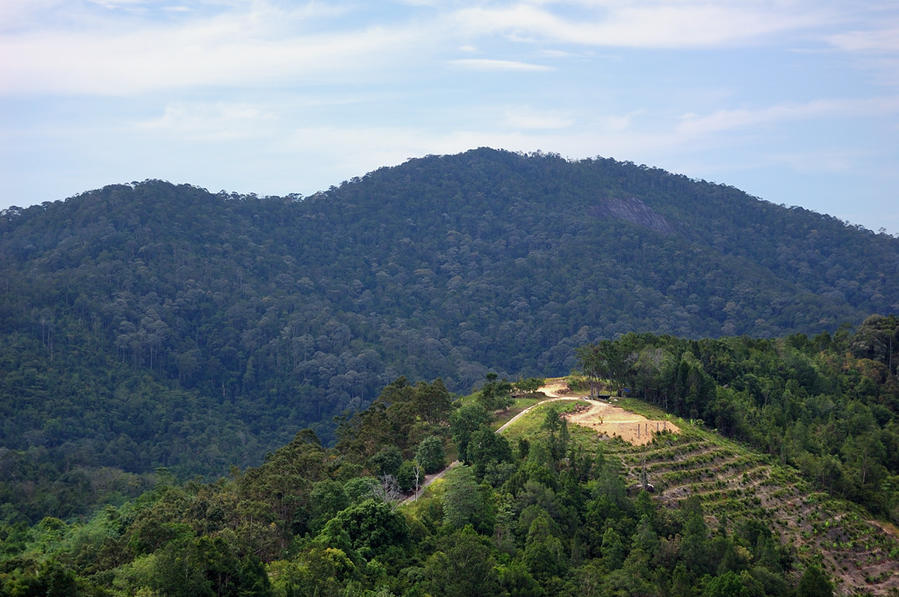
607, 419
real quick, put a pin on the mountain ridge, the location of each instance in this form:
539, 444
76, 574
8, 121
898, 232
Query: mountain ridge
272, 314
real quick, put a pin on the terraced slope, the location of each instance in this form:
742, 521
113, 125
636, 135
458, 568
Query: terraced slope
734, 482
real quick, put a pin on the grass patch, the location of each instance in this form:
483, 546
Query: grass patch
531, 424
518, 405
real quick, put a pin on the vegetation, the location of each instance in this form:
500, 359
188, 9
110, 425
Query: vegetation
150, 326
828, 405
553, 516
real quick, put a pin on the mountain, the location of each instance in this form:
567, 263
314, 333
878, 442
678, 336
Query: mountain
149, 324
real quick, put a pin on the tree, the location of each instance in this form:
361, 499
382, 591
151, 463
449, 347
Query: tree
464, 502
327, 498
409, 476
433, 401
495, 394
370, 528
487, 447
463, 567
606, 360
430, 454
387, 461
814, 583
529, 385
465, 421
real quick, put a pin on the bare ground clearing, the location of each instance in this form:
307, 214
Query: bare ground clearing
608, 419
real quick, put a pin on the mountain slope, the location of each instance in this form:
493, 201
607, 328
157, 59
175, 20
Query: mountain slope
734, 483
261, 316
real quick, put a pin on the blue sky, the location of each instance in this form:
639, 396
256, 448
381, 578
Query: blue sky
794, 101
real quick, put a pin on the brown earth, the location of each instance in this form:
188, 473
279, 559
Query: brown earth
608, 419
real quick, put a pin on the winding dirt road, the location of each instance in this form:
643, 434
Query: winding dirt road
600, 416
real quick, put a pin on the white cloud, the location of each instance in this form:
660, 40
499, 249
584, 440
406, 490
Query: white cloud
258, 46
874, 40
356, 150
817, 161
488, 64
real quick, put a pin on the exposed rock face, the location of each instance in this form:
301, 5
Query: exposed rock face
633, 210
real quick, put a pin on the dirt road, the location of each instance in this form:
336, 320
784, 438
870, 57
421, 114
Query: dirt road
601, 416
608, 419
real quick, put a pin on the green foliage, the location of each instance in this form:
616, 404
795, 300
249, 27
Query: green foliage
463, 423
368, 529
430, 454
409, 476
486, 448
529, 385
360, 489
150, 324
464, 566
814, 583
395, 424
386, 462
495, 394
544, 521
464, 502
827, 405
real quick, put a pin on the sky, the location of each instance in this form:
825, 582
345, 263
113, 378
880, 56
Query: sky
792, 101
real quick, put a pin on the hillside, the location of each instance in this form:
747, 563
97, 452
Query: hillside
149, 324
735, 486
734, 483
540, 508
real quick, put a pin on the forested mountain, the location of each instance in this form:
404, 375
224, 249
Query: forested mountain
149, 324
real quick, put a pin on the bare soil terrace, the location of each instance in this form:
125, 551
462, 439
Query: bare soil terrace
607, 419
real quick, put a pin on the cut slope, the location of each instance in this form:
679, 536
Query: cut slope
613, 421
608, 419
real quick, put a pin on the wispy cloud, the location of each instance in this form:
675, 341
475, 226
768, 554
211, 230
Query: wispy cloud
217, 121
234, 49
647, 24
489, 64
724, 120
819, 161
873, 40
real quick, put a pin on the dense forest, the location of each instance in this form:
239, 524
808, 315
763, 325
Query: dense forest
548, 514
151, 325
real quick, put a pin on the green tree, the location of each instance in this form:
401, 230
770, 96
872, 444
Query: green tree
430, 454
370, 528
409, 476
464, 567
464, 502
463, 422
814, 583
387, 461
